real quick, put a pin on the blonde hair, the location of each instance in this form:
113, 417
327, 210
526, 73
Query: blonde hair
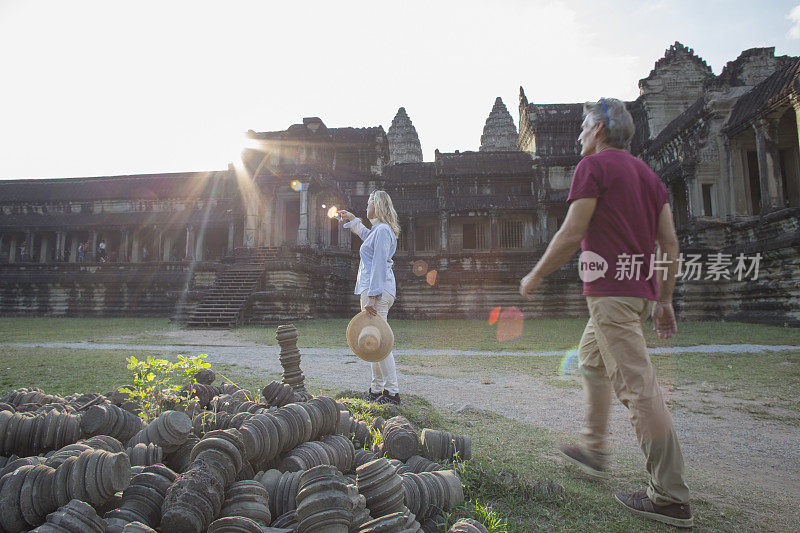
384, 210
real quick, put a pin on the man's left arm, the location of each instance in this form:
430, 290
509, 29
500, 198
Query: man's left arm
565, 243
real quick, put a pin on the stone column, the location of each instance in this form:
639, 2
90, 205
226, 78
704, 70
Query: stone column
412, 238
189, 251
157, 252
166, 250
199, 246
769, 167
542, 232
134, 257
43, 249
443, 226
12, 251
231, 233
302, 229
123, 246
91, 253
494, 232
73, 250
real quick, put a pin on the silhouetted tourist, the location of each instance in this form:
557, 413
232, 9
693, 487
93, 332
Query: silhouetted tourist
620, 209
101, 251
375, 282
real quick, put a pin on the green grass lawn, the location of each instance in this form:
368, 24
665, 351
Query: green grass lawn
538, 334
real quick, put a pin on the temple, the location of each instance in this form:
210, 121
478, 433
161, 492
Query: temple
256, 243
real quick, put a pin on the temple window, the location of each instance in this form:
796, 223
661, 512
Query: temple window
708, 199
425, 238
510, 234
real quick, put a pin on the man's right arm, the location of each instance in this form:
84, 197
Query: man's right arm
664, 321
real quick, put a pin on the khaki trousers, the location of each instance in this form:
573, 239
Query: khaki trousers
384, 373
613, 356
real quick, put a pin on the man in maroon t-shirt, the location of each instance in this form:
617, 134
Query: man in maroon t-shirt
619, 209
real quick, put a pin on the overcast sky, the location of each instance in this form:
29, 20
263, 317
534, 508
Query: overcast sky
104, 87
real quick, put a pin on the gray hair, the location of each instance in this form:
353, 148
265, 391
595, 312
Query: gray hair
616, 118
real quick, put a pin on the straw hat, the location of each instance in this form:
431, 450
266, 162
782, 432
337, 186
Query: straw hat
370, 338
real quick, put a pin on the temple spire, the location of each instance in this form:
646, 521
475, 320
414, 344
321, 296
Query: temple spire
499, 133
404, 146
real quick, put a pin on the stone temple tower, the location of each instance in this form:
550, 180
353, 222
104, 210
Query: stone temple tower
404, 144
499, 133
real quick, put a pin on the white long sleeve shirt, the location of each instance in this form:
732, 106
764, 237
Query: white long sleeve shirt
375, 269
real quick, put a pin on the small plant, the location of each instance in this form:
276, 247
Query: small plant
158, 382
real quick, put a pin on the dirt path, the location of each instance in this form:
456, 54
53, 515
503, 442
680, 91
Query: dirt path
725, 447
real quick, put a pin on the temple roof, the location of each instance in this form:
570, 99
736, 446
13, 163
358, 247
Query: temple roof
23, 221
346, 135
404, 146
483, 163
773, 91
129, 187
410, 173
499, 132
676, 52
695, 111
477, 203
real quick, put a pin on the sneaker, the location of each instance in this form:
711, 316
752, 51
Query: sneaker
387, 397
674, 514
372, 396
575, 455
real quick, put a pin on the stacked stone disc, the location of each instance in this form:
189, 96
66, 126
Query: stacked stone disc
196, 497
30, 493
282, 489
142, 500
430, 492
381, 486
468, 525
108, 419
444, 446
358, 429
290, 359
248, 499
169, 431
145, 454
25, 434
20, 399
74, 517
400, 440
194, 475
278, 394
322, 501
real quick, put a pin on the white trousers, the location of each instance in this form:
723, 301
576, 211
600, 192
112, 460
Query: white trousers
384, 373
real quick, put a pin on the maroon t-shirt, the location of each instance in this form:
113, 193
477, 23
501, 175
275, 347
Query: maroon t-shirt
630, 197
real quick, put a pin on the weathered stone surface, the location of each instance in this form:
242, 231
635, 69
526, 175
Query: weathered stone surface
404, 146
169, 431
468, 525
499, 133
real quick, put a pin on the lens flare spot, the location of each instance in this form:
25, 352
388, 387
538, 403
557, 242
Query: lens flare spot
494, 314
430, 277
420, 267
332, 211
296, 185
569, 364
509, 324
324, 206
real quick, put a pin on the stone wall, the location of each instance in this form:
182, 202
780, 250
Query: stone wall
774, 297
152, 290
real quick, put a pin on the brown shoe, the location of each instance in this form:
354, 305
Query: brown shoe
578, 457
674, 514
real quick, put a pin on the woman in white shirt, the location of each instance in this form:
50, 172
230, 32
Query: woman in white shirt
375, 282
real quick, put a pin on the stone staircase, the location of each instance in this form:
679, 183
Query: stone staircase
224, 305
255, 255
